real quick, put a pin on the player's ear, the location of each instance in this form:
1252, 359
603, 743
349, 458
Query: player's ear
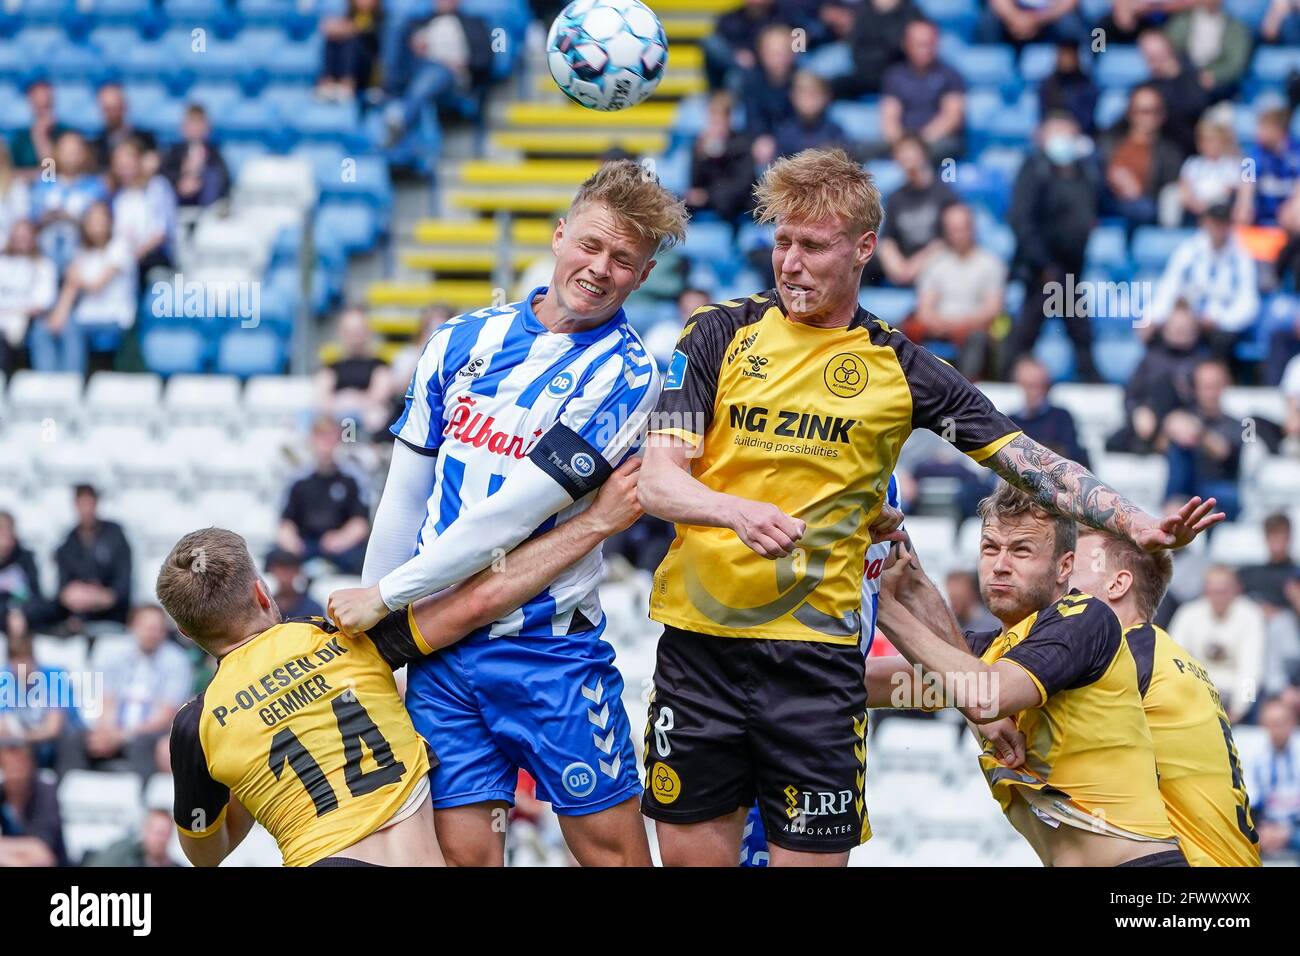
1121, 584
261, 595
558, 236
866, 248
645, 274
1065, 567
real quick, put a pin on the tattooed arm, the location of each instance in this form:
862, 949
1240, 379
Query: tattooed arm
1072, 490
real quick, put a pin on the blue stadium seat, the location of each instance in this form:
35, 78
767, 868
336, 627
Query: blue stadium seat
692, 113
174, 350
246, 352
150, 61
368, 179
248, 118
75, 61
1152, 246
1120, 66
986, 186
1002, 160
860, 120
959, 16
136, 13
298, 17
215, 96
1111, 106
282, 58
987, 65
14, 112
282, 294
1249, 11
710, 242
75, 106
334, 122
888, 175
1037, 61
1117, 358
37, 41
1272, 64
1108, 250
829, 60
892, 305
58, 12
15, 64
348, 227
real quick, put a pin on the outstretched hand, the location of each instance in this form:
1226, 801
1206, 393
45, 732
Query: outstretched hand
1180, 528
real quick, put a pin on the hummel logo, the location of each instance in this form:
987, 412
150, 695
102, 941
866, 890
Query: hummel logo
473, 370
755, 370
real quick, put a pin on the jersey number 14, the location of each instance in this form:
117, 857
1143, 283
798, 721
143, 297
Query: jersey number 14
356, 728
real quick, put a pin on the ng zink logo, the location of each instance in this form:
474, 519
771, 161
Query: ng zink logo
561, 385
579, 779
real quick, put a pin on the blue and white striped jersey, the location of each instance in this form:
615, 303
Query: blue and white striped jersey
488, 389
875, 562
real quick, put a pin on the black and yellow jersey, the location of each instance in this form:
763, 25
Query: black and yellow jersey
810, 420
1087, 742
1200, 773
306, 728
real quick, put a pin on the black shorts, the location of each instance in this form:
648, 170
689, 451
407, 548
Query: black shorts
734, 719
1165, 858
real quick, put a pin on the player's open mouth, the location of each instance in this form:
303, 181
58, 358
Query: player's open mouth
796, 289
594, 291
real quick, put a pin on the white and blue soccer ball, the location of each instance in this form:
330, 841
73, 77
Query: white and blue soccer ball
607, 54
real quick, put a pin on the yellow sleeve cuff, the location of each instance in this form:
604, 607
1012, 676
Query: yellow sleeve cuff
209, 831
993, 447
691, 438
1042, 692
420, 642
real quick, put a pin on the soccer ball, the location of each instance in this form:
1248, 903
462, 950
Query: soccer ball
607, 54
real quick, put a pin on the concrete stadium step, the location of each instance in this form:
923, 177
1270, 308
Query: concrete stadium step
481, 232
649, 116
536, 172
572, 143
456, 293
463, 261
674, 86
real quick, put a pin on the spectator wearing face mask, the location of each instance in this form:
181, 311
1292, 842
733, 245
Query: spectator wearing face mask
1053, 211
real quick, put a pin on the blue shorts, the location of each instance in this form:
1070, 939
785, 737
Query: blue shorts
753, 842
551, 705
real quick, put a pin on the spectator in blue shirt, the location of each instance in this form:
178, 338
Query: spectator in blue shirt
765, 89
809, 127
1032, 21
1274, 783
1042, 421
59, 202
1276, 171
924, 96
143, 689
37, 698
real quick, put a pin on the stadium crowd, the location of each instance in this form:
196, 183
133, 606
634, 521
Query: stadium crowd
1179, 186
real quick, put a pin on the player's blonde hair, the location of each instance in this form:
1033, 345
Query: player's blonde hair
204, 585
633, 193
817, 185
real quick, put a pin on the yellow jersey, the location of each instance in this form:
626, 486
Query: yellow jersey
1200, 773
306, 729
1086, 743
812, 421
